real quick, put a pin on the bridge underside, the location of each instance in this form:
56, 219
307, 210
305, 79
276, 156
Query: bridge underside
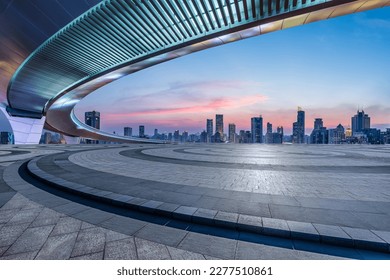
116, 38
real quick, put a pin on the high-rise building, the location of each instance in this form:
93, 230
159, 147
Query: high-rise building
360, 122
274, 137
373, 135
155, 132
248, 137
318, 123
184, 136
277, 138
128, 131
299, 127
209, 130
320, 134
268, 135
176, 136
386, 136
241, 136
219, 124
93, 119
257, 129
141, 131
203, 137
337, 135
269, 127
232, 133
279, 130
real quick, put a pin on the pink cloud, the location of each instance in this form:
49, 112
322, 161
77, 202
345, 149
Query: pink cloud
193, 118
223, 103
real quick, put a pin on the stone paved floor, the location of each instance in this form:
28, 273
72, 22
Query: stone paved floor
43, 226
29, 230
300, 183
345, 172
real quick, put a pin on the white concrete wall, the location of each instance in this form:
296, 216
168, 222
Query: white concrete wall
25, 130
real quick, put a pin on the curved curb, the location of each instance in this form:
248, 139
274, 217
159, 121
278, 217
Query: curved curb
327, 234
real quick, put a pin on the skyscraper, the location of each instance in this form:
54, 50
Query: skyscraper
299, 127
176, 136
269, 127
268, 135
279, 130
360, 122
184, 136
209, 130
218, 136
92, 119
232, 133
203, 137
219, 124
127, 131
277, 138
141, 131
257, 129
319, 135
318, 123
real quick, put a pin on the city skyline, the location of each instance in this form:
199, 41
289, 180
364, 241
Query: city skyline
210, 128
330, 68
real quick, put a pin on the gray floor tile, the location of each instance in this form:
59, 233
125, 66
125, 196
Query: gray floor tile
58, 247
66, 225
226, 219
250, 251
123, 225
148, 250
209, 245
25, 216
161, 234
385, 235
93, 216
115, 236
70, 208
20, 256
123, 249
92, 256
276, 227
89, 241
303, 231
31, 240
251, 223
178, 254
6, 215
3, 249
9, 234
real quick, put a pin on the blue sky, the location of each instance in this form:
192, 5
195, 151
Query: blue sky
329, 68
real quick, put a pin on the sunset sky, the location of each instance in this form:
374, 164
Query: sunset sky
329, 68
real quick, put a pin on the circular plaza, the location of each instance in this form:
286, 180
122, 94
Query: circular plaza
295, 199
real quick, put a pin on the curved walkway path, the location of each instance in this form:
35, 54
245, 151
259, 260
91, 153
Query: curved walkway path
199, 201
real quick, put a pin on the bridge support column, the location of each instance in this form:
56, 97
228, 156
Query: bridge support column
25, 130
